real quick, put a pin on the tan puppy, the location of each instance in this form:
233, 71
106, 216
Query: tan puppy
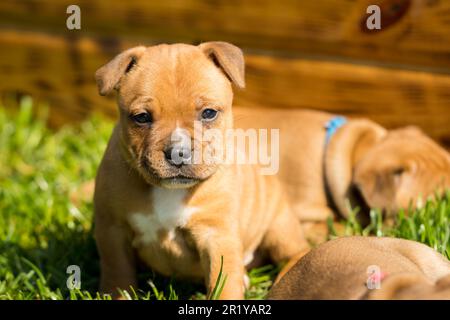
362, 162
367, 268
180, 218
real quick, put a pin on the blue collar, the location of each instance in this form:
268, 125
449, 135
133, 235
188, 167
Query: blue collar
332, 127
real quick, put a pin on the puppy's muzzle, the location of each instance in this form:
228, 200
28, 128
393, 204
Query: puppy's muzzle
178, 151
178, 155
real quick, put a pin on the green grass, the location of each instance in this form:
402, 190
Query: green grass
429, 224
42, 231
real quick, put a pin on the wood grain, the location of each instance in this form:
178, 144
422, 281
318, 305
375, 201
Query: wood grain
60, 71
417, 38
392, 97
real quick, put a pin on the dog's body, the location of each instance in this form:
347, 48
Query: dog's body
350, 267
302, 146
362, 161
231, 214
180, 218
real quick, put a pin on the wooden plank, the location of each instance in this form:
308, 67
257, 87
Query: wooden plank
61, 71
391, 97
417, 37
54, 70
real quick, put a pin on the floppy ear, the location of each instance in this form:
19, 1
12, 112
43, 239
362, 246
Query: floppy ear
229, 58
379, 186
108, 77
402, 285
347, 146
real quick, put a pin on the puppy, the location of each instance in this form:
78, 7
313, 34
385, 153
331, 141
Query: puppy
357, 159
178, 217
367, 268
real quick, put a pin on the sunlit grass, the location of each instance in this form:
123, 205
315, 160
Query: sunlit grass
429, 224
43, 230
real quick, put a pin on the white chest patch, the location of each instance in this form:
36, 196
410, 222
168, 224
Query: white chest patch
169, 212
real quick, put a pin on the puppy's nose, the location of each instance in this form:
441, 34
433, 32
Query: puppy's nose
178, 155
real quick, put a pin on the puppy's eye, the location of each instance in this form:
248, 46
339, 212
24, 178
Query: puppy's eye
209, 114
142, 118
398, 171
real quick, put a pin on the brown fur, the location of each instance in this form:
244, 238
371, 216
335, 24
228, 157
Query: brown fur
363, 162
237, 210
338, 269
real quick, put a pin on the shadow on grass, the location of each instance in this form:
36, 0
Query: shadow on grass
38, 270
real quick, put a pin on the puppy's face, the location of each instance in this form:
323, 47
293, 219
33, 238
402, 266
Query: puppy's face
405, 166
162, 92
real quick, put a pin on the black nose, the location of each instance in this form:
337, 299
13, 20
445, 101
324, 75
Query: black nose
177, 155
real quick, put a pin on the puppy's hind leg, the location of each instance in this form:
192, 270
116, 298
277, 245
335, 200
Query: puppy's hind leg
285, 239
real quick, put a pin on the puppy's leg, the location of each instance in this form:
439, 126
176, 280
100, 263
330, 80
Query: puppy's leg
214, 244
306, 211
317, 232
117, 261
285, 239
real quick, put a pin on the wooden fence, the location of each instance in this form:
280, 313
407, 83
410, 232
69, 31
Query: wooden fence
299, 53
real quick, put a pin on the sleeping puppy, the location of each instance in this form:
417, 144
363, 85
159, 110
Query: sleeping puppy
387, 170
153, 203
325, 160
367, 268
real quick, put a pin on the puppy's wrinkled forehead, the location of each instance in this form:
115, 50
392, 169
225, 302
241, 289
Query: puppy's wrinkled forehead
174, 75
171, 74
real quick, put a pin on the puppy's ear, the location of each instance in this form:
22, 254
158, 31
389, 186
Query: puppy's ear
346, 148
108, 77
379, 187
229, 58
402, 286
